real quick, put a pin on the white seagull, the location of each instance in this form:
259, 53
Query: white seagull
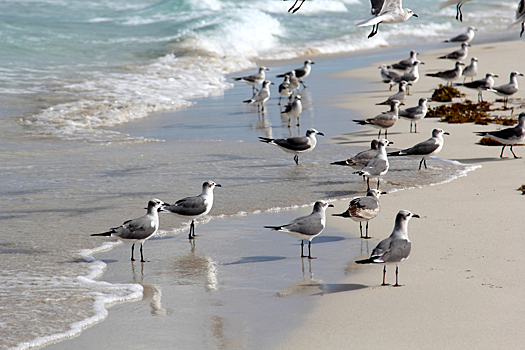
482, 84
384, 120
424, 149
193, 207
394, 249
463, 37
385, 11
306, 227
261, 96
138, 230
255, 79
297, 144
415, 113
509, 89
377, 166
293, 110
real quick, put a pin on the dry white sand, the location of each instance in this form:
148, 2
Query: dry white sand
463, 284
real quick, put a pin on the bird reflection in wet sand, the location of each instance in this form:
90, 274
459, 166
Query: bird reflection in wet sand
151, 293
307, 285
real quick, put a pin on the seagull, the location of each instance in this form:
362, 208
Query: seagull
295, 83
294, 10
400, 95
458, 55
294, 109
297, 144
463, 37
449, 75
302, 72
520, 16
424, 149
508, 136
394, 249
363, 209
415, 113
306, 227
377, 166
138, 230
388, 76
385, 11
406, 63
458, 3
509, 89
411, 77
480, 85
471, 70
193, 207
255, 79
284, 88
384, 120
261, 96
360, 159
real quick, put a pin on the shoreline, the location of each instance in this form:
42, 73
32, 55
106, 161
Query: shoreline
363, 136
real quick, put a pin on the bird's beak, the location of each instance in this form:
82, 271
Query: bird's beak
267, 68
330, 205
272, 84
421, 62
217, 185
384, 192
415, 15
320, 133
390, 143
496, 76
446, 133
415, 216
312, 62
402, 104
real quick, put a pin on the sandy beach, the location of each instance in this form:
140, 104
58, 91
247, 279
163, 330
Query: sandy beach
462, 285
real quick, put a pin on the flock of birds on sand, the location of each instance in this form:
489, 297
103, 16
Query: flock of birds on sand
371, 163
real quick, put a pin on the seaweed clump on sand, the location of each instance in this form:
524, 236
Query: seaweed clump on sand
445, 93
468, 112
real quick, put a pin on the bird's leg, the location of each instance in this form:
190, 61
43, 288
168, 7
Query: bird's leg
141, 255
386, 133
361, 229
458, 11
309, 250
501, 155
302, 251
279, 100
522, 28
410, 126
304, 86
421, 163
378, 182
379, 134
374, 30
192, 230
368, 184
384, 275
296, 158
425, 163
397, 284
367, 237
513, 152
132, 251
298, 121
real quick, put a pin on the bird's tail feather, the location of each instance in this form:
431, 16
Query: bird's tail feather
106, 234
365, 261
367, 22
248, 101
275, 228
265, 139
360, 121
344, 215
394, 154
342, 162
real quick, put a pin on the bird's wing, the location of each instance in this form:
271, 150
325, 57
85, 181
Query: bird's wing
508, 133
446, 3
377, 6
137, 228
298, 143
422, 148
391, 6
308, 225
187, 206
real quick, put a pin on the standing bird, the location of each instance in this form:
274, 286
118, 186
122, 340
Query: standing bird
301, 73
193, 207
424, 149
363, 209
411, 77
458, 55
294, 109
388, 76
463, 37
261, 96
458, 3
509, 89
138, 230
306, 227
385, 11
415, 113
377, 166
295, 83
400, 95
255, 79
520, 17
449, 75
384, 120
360, 159
508, 136
284, 88
406, 64
471, 70
297, 144
482, 84
394, 249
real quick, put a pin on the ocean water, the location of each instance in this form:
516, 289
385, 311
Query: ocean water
85, 141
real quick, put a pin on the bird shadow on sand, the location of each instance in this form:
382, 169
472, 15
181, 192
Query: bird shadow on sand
331, 288
255, 259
